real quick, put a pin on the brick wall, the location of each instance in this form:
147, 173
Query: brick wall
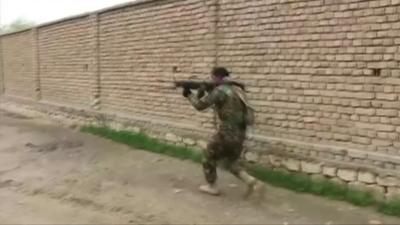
142, 44
18, 64
323, 74
65, 54
320, 71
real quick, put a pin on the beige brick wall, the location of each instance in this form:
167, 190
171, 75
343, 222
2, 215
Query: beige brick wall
142, 44
312, 68
324, 75
18, 64
65, 54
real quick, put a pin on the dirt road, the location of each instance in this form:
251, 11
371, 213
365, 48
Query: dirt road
52, 175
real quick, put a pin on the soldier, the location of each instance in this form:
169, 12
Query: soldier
230, 107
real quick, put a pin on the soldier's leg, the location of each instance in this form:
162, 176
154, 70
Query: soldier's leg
253, 185
234, 163
235, 166
210, 168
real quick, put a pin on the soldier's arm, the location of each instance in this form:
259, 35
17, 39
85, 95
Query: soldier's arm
216, 96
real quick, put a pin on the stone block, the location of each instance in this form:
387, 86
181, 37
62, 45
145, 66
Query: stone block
347, 174
329, 171
172, 137
311, 167
189, 141
292, 164
275, 160
388, 181
366, 177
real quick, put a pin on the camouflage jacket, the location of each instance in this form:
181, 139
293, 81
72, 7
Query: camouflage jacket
227, 105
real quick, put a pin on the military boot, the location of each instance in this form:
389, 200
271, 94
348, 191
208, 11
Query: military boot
209, 189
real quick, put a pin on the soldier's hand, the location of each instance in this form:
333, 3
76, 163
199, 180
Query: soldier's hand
186, 92
201, 92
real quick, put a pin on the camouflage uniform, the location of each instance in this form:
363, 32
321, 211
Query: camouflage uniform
227, 143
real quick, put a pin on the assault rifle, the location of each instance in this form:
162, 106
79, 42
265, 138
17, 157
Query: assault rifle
202, 86
206, 86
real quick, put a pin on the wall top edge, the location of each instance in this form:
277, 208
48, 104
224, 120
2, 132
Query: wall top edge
83, 15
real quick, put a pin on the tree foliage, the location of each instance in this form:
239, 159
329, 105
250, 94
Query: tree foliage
17, 25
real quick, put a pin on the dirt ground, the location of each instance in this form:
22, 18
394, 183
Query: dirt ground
54, 175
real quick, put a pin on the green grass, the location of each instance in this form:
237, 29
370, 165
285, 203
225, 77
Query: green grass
303, 183
142, 141
390, 208
294, 181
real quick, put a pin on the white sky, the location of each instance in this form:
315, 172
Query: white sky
41, 11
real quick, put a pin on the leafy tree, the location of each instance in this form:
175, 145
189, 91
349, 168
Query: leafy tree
17, 25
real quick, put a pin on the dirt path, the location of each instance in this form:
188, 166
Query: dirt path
54, 175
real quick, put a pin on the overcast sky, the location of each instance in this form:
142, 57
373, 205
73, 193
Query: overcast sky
41, 11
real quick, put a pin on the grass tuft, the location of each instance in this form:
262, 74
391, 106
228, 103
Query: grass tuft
144, 142
391, 207
294, 181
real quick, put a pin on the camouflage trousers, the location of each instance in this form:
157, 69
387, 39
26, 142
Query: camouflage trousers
226, 146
